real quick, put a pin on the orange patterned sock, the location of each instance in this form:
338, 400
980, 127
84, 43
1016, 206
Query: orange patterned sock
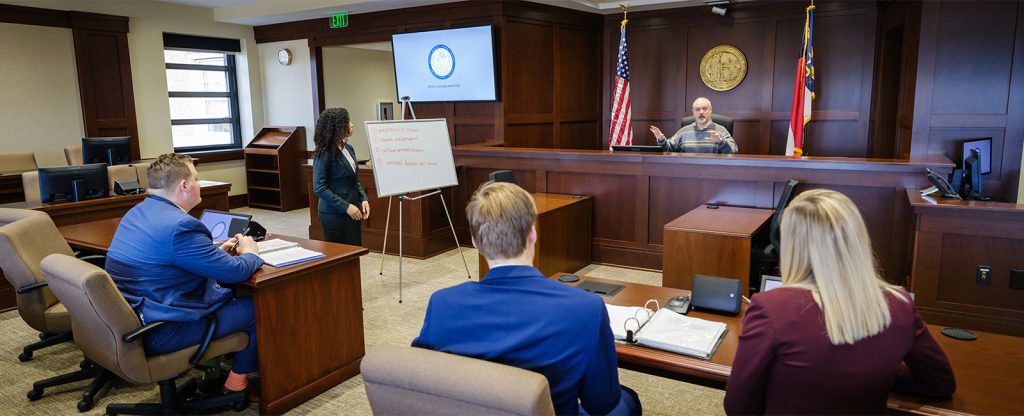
236, 382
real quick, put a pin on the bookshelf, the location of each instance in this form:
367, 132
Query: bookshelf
273, 168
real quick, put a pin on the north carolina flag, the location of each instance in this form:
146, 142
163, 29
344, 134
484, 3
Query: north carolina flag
803, 90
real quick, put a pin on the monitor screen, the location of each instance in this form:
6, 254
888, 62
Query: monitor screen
73, 183
445, 65
637, 148
770, 282
984, 148
224, 225
109, 150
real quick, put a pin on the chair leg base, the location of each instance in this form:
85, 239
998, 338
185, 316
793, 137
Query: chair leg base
37, 388
45, 341
175, 401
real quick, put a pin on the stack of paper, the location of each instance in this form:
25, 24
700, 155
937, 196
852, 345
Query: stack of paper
682, 334
280, 253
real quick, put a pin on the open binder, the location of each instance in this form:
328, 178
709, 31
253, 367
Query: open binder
280, 253
666, 330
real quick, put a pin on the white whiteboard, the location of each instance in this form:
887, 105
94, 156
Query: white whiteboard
410, 155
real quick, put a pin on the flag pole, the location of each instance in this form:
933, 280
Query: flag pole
625, 8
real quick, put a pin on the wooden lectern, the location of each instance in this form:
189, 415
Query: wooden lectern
273, 168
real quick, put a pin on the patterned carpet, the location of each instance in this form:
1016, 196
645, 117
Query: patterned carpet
386, 322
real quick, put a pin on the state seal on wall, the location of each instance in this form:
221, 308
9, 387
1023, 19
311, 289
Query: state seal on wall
723, 67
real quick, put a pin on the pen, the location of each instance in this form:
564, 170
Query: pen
236, 242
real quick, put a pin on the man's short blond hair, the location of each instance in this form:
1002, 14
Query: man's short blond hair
168, 170
500, 218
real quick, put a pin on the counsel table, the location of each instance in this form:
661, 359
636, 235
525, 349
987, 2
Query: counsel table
309, 316
988, 370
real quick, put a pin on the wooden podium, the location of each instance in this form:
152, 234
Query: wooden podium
563, 234
711, 241
273, 168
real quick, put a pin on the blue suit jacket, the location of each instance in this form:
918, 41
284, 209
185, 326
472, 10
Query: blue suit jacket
518, 317
336, 184
166, 265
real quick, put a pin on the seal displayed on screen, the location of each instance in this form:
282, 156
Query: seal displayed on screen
441, 61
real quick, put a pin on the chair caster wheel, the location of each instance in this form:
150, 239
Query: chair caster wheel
85, 405
34, 395
25, 356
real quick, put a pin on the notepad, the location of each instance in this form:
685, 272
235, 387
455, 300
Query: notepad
280, 253
682, 334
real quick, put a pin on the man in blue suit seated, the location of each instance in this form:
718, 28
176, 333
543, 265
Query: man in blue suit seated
167, 267
516, 316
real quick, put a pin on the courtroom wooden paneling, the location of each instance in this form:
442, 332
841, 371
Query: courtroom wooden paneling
970, 83
665, 80
105, 80
547, 66
899, 32
636, 194
953, 238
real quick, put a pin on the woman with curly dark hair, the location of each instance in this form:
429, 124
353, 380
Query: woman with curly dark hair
343, 201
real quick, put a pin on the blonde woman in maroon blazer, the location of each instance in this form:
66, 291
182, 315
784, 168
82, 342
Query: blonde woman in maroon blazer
834, 338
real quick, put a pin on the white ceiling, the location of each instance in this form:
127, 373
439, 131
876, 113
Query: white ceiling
263, 12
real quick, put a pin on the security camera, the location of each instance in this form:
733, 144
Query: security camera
719, 10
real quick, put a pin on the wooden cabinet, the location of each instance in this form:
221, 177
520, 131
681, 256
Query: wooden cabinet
711, 241
273, 169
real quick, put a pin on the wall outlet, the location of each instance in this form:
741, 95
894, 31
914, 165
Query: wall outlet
984, 276
1017, 279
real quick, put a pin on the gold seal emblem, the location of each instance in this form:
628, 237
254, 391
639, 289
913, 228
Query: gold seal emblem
723, 68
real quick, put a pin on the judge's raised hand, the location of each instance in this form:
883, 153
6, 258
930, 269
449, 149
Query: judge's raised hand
657, 133
713, 136
366, 210
354, 212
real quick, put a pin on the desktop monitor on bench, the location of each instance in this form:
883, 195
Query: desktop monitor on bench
109, 150
73, 183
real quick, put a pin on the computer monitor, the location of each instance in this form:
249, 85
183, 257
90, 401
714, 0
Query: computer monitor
769, 282
224, 225
984, 148
109, 150
73, 183
972, 175
638, 148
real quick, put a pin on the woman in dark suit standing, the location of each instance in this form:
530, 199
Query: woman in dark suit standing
834, 338
343, 201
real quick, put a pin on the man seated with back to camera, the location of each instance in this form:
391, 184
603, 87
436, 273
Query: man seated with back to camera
516, 316
701, 136
167, 267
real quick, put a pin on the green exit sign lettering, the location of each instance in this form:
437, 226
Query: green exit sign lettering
339, 20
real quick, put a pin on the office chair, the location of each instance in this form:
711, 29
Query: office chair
416, 381
73, 155
17, 162
765, 255
503, 176
109, 333
29, 236
724, 121
30, 185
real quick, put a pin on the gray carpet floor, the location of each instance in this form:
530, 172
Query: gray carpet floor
385, 321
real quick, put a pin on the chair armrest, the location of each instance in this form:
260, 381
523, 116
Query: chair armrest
28, 288
131, 336
97, 260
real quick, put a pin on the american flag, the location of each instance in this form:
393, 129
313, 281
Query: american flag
622, 115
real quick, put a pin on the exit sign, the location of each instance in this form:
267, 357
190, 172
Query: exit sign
339, 20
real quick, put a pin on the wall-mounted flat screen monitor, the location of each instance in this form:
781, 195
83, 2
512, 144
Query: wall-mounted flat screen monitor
446, 65
984, 148
73, 183
109, 150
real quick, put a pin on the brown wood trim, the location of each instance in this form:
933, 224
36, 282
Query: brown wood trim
97, 21
316, 67
217, 155
238, 201
37, 16
34, 16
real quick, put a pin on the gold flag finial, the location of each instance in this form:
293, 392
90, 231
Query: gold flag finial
624, 7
